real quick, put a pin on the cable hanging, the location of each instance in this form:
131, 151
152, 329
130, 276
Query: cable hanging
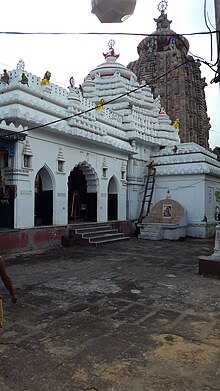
102, 33
94, 108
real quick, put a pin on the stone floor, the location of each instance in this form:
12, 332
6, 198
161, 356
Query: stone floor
132, 316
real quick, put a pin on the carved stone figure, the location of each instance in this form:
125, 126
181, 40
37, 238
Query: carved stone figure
5, 77
24, 79
46, 79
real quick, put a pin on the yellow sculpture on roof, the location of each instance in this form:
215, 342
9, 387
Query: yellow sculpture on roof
176, 124
46, 79
100, 104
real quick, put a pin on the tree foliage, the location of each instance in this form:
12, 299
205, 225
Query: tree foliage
216, 151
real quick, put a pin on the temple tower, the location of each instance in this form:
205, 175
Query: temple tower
181, 89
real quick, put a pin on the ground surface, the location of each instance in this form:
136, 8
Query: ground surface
131, 316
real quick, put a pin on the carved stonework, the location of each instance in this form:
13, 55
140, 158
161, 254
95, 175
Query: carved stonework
181, 90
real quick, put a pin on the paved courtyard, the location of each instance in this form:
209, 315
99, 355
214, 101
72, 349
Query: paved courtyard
130, 316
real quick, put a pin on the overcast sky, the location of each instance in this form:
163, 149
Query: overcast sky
75, 55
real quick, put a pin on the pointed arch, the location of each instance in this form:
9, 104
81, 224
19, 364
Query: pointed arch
47, 177
91, 177
113, 198
83, 186
43, 206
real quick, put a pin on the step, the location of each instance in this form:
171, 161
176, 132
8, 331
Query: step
69, 242
97, 233
92, 229
102, 241
107, 236
84, 224
91, 234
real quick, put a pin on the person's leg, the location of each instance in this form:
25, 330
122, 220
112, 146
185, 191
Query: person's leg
1, 313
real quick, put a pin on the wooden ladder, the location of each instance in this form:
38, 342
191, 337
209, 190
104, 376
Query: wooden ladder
148, 191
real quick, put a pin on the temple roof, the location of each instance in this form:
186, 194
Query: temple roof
111, 67
164, 37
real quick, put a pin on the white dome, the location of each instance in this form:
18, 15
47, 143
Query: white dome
110, 67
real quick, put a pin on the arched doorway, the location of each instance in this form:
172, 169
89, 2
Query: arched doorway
82, 193
112, 200
43, 207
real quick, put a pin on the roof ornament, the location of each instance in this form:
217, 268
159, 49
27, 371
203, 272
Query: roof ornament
162, 6
72, 83
111, 52
176, 124
24, 79
21, 64
100, 105
46, 79
5, 77
162, 21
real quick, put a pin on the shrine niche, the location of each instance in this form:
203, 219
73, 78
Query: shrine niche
167, 218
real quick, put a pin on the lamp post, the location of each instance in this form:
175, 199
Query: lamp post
217, 18
210, 265
216, 254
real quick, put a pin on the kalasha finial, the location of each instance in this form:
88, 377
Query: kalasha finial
111, 43
111, 52
21, 64
162, 6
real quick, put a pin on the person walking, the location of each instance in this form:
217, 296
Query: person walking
8, 285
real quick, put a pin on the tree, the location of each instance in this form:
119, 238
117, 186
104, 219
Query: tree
216, 151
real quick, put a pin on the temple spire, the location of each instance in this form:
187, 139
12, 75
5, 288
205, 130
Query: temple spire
162, 6
162, 21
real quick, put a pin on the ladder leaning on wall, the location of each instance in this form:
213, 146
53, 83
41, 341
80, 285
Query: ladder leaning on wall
148, 191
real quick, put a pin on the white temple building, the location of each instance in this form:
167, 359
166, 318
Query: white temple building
83, 154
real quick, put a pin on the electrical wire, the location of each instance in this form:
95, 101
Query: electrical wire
216, 79
177, 36
94, 108
201, 59
210, 32
102, 33
205, 18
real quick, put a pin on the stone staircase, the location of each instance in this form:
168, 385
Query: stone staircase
151, 231
91, 234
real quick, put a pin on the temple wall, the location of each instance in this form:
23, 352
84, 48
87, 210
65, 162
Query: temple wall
74, 153
190, 176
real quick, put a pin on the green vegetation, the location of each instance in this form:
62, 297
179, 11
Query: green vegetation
216, 151
169, 338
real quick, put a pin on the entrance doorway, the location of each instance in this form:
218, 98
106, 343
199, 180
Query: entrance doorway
82, 194
7, 195
112, 200
43, 207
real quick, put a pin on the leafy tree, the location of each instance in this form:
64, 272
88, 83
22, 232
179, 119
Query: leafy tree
216, 151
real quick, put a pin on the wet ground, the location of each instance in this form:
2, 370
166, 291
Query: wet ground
131, 316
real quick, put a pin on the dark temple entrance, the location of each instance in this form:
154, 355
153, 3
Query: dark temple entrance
112, 200
82, 195
7, 195
43, 208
